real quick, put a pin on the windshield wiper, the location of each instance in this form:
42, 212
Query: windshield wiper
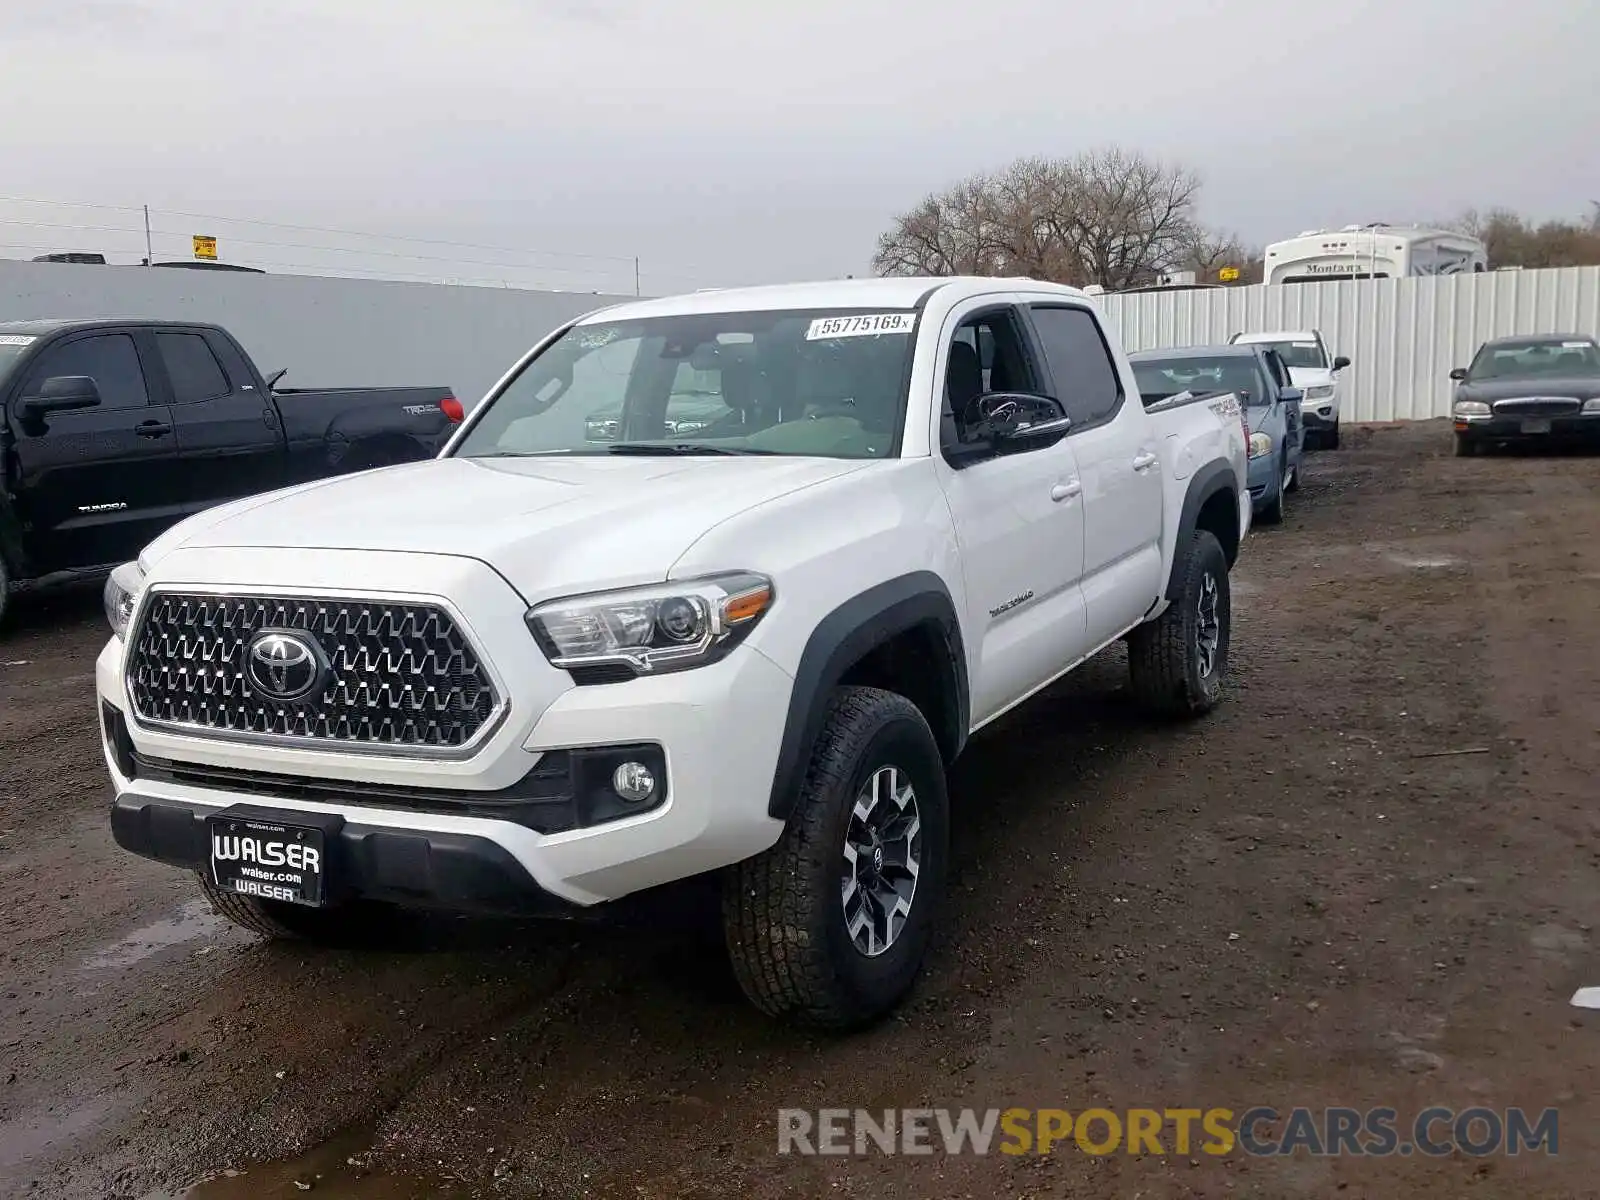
667, 449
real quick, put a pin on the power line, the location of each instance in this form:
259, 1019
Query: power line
393, 237
634, 266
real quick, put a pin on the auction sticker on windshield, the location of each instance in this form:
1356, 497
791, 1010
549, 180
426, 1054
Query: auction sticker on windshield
869, 325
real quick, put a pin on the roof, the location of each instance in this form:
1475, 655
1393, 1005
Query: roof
1278, 335
1534, 339
1388, 233
45, 326
897, 292
1195, 352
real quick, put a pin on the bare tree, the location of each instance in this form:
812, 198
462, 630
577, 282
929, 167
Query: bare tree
1512, 240
1211, 251
1109, 216
1130, 217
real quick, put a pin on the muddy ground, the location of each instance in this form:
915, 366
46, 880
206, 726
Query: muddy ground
1287, 903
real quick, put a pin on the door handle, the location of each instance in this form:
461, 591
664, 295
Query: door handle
1065, 491
1143, 462
152, 429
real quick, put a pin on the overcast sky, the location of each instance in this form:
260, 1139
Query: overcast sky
727, 141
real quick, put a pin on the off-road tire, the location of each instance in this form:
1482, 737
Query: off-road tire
347, 925
1467, 447
1164, 655
783, 912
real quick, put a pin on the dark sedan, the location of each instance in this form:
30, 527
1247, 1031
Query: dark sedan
1520, 390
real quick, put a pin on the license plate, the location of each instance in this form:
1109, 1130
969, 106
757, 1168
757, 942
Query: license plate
1536, 425
257, 856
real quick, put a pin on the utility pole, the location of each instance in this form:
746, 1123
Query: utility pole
149, 250
636, 290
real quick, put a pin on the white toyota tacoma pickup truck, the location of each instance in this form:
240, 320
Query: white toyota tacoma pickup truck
541, 670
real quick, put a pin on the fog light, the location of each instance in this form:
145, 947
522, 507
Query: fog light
633, 782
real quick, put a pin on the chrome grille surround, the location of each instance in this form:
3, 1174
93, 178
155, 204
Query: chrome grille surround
406, 677
1538, 406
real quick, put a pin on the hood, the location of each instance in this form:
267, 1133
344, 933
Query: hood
1583, 387
1304, 377
548, 525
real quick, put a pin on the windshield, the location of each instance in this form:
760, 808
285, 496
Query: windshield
824, 383
1159, 378
1298, 354
1561, 358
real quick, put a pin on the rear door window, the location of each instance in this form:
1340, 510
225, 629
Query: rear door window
194, 370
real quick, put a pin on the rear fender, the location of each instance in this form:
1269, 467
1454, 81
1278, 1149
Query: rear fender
1211, 502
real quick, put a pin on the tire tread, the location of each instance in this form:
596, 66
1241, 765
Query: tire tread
776, 926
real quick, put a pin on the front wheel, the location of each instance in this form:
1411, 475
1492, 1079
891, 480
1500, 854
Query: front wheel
5, 591
1272, 510
830, 927
1330, 440
1176, 662
1466, 447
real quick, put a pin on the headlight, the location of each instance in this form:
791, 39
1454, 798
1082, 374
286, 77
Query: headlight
1260, 445
650, 630
122, 595
1592, 406
1471, 408
1321, 391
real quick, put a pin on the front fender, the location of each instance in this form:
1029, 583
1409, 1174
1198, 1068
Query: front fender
842, 639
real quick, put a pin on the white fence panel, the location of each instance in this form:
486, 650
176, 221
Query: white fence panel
1402, 336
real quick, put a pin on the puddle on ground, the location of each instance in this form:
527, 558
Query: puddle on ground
31, 1134
195, 919
1423, 562
335, 1170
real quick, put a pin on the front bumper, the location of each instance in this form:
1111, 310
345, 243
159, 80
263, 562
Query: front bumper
1262, 478
462, 872
1506, 428
1319, 418
717, 730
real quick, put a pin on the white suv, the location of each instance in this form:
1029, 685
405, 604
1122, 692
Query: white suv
542, 670
1315, 372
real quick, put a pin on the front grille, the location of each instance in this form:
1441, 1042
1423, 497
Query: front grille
1537, 406
400, 676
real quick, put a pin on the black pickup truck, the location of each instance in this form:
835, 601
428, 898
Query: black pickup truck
112, 431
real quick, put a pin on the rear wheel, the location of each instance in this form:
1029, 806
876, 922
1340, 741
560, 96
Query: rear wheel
354, 924
830, 926
1177, 662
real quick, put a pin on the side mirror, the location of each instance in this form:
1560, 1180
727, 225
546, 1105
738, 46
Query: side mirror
1458, 373
62, 393
1340, 363
1017, 421
1291, 395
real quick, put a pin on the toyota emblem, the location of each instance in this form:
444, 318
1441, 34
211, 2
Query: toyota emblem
284, 666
